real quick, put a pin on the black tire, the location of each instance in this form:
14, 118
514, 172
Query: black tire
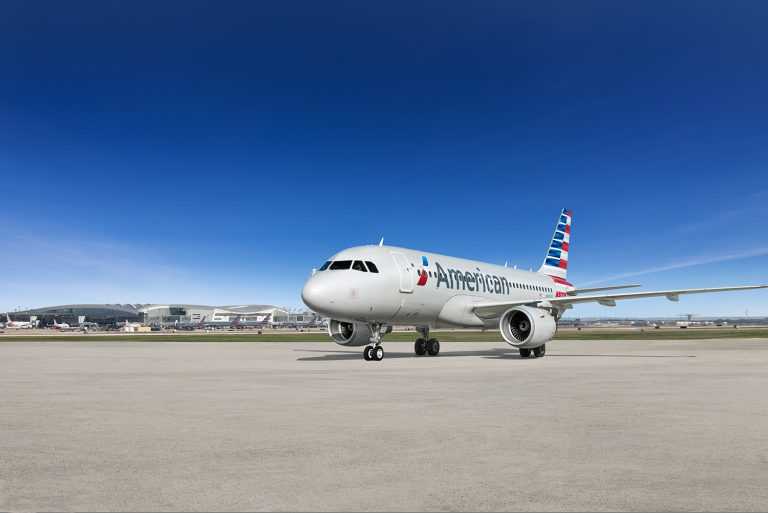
433, 346
367, 354
525, 353
377, 353
420, 347
540, 351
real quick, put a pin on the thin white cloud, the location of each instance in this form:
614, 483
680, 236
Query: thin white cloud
726, 217
692, 262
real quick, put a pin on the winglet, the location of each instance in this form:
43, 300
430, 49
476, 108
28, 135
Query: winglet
381, 242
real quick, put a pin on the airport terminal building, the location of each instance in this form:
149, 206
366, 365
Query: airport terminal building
167, 315
105, 314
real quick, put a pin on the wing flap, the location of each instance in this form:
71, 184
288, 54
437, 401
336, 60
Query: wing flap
590, 290
672, 295
490, 310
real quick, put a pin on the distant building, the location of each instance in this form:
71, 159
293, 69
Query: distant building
72, 314
169, 315
202, 314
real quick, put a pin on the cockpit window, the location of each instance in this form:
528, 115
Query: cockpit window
372, 267
341, 265
325, 266
359, 266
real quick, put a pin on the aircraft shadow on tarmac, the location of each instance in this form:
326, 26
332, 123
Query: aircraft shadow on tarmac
495, 354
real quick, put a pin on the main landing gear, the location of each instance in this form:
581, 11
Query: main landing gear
374, 352
371, 353
425, 345
538, 352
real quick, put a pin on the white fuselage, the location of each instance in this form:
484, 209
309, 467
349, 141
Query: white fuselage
18, 325
400, 293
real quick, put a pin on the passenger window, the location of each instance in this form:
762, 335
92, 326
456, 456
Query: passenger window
341, 265
325, 266
372, 267
358, 265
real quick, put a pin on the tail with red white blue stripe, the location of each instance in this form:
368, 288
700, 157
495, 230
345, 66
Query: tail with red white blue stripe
556, 262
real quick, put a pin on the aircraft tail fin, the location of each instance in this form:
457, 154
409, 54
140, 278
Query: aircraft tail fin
556, 261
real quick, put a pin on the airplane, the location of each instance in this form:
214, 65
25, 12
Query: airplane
366, 290
18, 325
62, 326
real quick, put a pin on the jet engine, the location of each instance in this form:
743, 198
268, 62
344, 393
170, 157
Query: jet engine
527, 327
349, 333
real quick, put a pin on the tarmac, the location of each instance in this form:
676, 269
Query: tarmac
192, 426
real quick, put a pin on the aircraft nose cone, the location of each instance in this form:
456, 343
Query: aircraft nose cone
314, 295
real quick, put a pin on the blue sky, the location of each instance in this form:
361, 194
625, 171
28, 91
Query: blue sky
216, 152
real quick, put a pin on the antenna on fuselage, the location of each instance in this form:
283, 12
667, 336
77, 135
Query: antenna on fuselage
506, 264
381, 242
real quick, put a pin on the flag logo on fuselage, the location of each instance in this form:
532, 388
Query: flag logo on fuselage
423, 276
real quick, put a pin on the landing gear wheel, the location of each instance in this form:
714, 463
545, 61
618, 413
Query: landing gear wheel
377, 353
433, 346
525, 353
540, 351
420, 347
367, 356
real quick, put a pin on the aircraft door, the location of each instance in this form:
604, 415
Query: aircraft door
406, 273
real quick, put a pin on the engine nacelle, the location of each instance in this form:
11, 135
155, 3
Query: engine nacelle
349, 333
527, 327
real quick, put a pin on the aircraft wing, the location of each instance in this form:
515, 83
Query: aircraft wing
579, 291
490, 310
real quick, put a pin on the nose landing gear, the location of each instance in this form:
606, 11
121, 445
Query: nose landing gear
374, 352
